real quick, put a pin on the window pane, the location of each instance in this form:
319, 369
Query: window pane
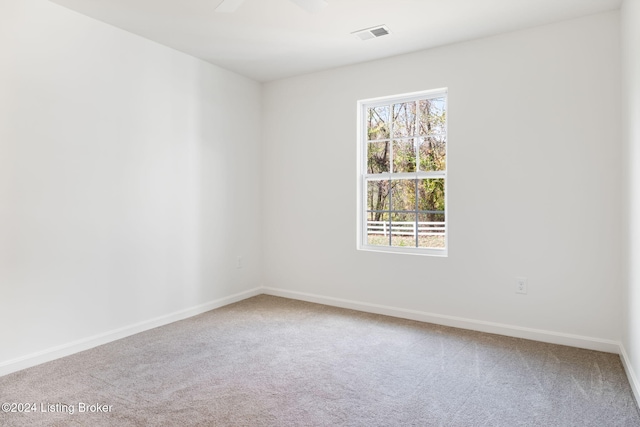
433, 116
404, 156
378, 123
404, 119
403, 194
433, 153
377, 196
378, 229
431, 229
378, 157
431, 195
431, 224
403, 229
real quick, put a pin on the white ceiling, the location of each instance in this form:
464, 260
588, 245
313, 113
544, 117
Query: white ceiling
272, 39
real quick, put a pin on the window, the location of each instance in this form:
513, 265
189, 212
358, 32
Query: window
402, 182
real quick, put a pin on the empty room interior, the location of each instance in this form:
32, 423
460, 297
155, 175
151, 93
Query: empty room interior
308, 212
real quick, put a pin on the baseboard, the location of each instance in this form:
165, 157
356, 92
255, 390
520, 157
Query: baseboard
53, 353
457, 322
633, 379
116, 334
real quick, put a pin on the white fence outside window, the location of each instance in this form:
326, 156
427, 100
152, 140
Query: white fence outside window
406, 228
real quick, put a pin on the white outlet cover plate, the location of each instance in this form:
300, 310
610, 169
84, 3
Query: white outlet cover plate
521, 285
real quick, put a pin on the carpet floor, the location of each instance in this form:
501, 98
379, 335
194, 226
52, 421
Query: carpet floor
269, 361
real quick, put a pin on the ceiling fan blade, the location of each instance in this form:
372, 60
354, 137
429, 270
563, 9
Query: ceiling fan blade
228, 6
311, 6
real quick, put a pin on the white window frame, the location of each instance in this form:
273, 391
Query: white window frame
363, 177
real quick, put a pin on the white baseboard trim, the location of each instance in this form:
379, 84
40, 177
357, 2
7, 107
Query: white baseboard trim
116, 334
57, 352
571, 340
633, 379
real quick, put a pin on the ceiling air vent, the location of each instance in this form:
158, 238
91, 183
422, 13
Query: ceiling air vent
371, 33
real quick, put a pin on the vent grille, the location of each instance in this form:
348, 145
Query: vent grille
372, 33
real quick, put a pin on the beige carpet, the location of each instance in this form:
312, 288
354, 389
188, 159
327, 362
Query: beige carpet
270, 361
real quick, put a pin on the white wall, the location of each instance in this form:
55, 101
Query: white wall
129, 179
534, 182
630, 13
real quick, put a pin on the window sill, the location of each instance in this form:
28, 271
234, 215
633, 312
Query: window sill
443, 253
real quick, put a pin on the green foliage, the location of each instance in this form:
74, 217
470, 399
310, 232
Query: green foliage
404, 156
378, 157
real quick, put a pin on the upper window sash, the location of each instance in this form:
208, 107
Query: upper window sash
417, 96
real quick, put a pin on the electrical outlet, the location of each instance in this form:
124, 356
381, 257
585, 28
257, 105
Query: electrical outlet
521, 285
